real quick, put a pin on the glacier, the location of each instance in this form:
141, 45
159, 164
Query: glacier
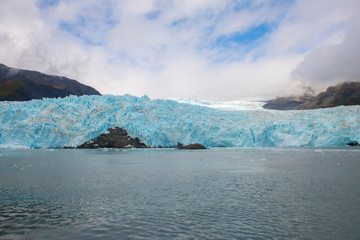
71, 121
224, 105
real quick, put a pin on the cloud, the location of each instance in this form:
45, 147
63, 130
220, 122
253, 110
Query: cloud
309, 25
29, 41
333, 63
205, 49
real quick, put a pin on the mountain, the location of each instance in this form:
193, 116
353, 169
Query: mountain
24, 85
343, 94
287, 103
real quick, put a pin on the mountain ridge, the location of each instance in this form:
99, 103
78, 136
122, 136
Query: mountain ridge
342, 94
25, 85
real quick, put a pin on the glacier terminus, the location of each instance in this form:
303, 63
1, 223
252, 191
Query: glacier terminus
71, 121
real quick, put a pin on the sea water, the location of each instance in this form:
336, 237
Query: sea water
222, 193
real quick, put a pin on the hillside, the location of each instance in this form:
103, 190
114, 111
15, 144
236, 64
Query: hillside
287, 103
346, 94
24, 85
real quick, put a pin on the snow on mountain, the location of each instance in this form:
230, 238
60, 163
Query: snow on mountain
223, 105
71, 121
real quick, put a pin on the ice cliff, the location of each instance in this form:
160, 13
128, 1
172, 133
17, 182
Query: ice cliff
71, 121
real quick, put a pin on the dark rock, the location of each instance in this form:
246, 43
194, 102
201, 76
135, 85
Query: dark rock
24, 85
192, 146
354, 144
115, 138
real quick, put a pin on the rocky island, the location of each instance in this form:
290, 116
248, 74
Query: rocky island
115, 138
191, 146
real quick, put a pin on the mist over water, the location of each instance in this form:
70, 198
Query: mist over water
264, 193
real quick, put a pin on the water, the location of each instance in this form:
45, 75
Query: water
232, 193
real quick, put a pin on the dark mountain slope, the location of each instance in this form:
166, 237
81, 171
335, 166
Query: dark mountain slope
347, 93
23, 85
287, 103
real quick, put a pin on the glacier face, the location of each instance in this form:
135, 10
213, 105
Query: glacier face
71, 121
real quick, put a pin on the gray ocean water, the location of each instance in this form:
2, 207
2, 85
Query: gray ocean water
230, 193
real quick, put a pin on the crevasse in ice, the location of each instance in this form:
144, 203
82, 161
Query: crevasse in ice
71, 121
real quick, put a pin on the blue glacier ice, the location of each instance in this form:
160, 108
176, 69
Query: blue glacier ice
71, 121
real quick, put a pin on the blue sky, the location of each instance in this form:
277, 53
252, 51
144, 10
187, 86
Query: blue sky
202, 49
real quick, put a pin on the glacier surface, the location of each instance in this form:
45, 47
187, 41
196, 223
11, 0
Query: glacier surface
71, 121
223, 105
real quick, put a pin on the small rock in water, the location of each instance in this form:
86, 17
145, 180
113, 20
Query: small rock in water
192, 146
354, 144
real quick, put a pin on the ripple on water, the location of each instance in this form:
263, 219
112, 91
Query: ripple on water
217, 194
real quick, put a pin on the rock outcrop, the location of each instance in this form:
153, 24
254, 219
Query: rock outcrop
114, 138
192, 146
24, 85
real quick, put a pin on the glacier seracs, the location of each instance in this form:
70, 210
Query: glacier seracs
71, 121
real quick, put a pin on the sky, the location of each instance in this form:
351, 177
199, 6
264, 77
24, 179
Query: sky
199, 49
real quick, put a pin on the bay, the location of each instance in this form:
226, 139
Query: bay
220, 193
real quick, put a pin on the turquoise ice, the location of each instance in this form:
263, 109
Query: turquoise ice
71, 121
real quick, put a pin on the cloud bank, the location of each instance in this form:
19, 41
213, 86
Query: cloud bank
214, 49
332, 63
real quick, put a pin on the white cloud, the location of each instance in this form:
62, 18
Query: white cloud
28, 41
309, 24
168, 48
245, 18
333, 63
